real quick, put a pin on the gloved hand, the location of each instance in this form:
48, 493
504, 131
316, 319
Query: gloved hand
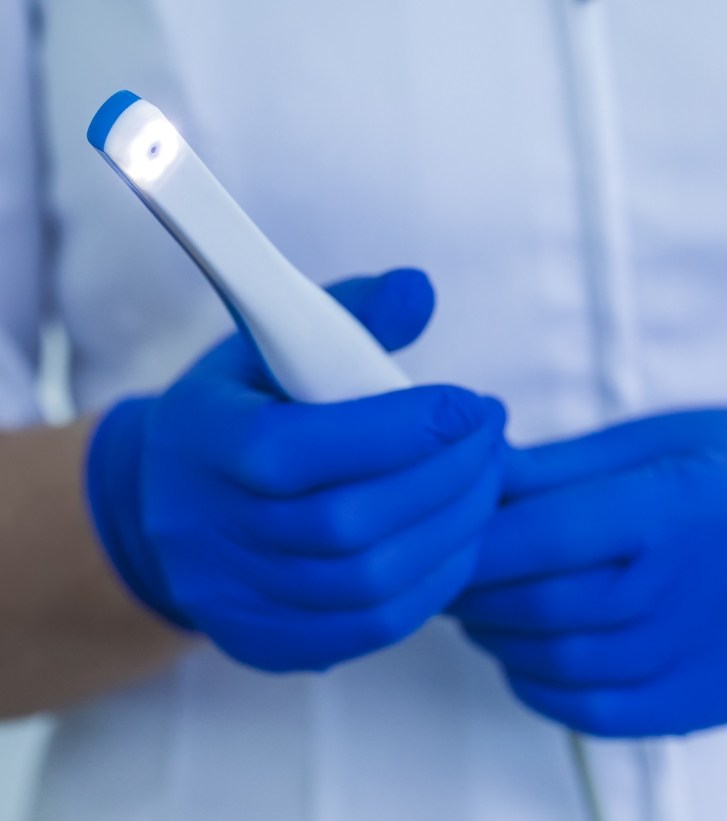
296, 536
602, 583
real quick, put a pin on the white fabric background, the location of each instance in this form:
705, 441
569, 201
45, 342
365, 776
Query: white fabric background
672, 341
21, 744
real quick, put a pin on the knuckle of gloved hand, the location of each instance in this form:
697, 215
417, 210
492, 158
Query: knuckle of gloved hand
339, 525
266, 462
349, 583
312, 583
370, 582
456, 413
568, 659
382, 626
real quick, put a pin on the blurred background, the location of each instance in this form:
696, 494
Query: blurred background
21, 747
22, 742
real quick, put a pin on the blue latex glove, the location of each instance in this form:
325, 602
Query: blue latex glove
296, 536
602, 583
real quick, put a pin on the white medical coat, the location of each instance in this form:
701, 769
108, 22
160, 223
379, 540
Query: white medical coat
560, 169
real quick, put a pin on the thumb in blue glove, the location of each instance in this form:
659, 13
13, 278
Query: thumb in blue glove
296, 536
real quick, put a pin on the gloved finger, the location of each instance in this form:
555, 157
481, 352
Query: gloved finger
350, 517
611, 518
288, 449
602, 597
687, 698
619, 448
396, 306
385, 571
634, 653
282, 449
272, 640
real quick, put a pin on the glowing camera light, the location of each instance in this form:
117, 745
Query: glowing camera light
152, 151
316, 350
